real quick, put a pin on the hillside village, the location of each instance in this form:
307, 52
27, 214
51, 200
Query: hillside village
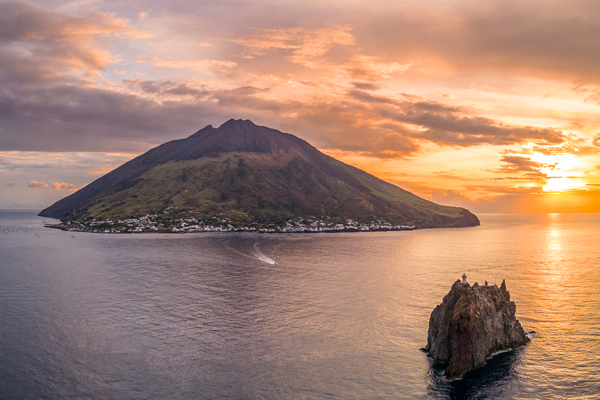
166, 223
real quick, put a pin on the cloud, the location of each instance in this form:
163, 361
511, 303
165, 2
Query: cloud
41, 46
35, 184
327, 96
150, 112
71, 118
531, 169
520, 164
198, 65
454, 125
305, 46
64, 186
537, 38
142, 16
50, 62
366, 86
10, 184
450, 197
373, 67
591, 93
330, 50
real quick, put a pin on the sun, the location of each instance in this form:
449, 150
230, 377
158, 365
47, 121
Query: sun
563, 184
561, 170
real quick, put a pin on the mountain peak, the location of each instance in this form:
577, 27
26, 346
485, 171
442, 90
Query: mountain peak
238, 123
238, 136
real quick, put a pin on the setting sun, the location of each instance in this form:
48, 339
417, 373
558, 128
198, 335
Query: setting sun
563, 184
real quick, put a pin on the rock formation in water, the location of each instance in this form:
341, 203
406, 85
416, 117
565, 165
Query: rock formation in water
471, 324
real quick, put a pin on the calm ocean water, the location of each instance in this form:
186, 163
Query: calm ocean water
341, 316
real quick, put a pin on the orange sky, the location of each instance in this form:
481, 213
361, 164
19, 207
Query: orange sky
488, 105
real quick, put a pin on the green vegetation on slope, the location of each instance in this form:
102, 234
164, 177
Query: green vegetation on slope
252, 187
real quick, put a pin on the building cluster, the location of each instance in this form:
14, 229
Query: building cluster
160, 223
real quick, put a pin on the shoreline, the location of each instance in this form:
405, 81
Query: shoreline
263, 231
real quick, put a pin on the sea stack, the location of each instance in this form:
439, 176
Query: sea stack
471, 324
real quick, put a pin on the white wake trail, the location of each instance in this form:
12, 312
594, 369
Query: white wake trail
258, 255
261, 256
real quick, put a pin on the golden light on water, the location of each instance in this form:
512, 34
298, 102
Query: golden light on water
554, 252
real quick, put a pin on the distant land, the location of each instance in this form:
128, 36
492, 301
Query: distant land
241, 176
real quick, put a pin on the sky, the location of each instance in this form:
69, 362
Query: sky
489, 105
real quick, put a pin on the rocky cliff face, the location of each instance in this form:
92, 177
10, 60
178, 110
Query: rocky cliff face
472, 323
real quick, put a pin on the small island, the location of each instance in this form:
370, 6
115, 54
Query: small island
471, 324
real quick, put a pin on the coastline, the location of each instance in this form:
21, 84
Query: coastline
239, 230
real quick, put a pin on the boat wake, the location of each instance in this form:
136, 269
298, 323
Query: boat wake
258, 255
261, 256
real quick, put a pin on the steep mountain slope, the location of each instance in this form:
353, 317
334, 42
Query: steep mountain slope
250, 173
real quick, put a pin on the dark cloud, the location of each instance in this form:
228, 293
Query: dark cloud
531, 169
347, 126
74, 118
166, 88
455, 126
366, 86
81, 119
520, 164
10, 184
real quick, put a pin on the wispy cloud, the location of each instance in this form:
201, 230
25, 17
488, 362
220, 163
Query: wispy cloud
197, 65
305, 46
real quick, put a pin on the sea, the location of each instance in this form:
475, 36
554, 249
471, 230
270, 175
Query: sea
290, 316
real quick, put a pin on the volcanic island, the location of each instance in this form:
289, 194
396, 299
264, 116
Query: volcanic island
245, 177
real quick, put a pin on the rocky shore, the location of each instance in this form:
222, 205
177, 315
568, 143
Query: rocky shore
471, 324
